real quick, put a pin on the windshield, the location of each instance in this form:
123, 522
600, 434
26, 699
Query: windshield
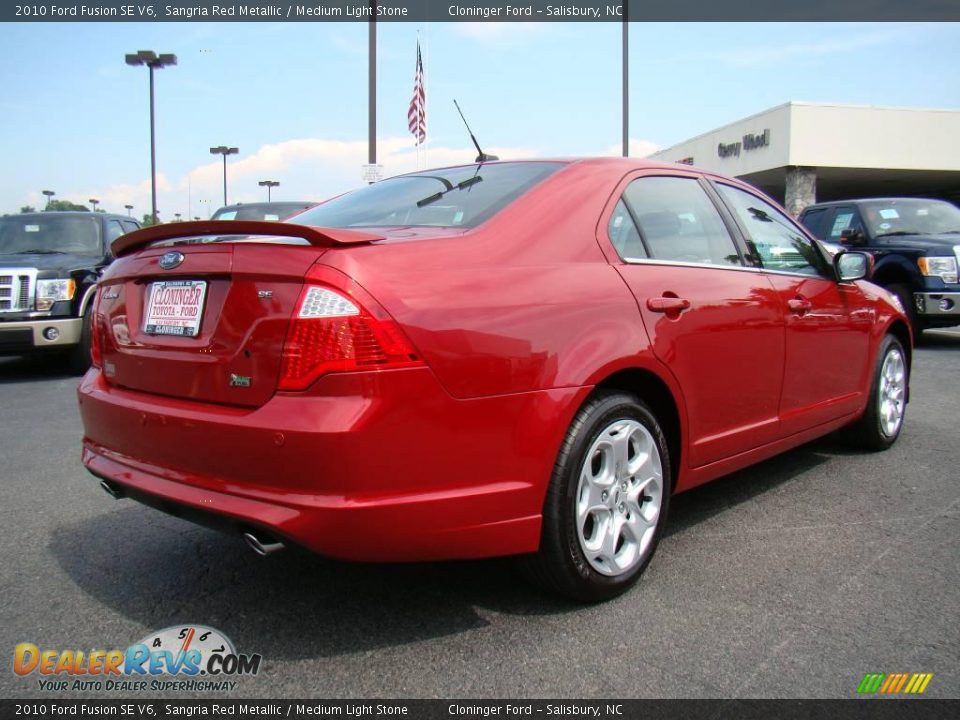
50, 234
260, 211
910, 217
452, 197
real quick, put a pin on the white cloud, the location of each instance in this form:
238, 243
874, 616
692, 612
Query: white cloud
637, 148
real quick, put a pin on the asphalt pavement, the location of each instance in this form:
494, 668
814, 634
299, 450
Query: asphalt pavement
793, 578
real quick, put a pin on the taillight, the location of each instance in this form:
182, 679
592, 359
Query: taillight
338, 327
96, 348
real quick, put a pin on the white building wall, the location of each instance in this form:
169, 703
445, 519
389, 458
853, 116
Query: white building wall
874, 137
819, 135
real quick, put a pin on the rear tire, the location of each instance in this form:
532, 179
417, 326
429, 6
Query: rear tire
78, 359
882, 421
607, 501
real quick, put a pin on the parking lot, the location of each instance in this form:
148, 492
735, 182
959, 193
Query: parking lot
793, 578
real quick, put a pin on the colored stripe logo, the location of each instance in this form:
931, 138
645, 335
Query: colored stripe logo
894, 683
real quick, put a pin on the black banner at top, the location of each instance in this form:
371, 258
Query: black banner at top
419, 11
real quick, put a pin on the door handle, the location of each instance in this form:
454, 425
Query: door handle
799, 305
667, 304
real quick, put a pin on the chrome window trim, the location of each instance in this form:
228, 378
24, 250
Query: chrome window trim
741, 268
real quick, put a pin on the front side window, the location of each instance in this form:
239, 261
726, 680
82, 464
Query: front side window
772, 236
846, 218
452, 197
678, 222
114, 230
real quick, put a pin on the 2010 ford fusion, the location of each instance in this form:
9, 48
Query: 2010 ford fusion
504, 358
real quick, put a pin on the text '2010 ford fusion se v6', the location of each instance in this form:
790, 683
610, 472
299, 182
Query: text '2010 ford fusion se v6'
507, 358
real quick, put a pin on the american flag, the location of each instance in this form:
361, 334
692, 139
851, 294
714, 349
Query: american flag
417, 114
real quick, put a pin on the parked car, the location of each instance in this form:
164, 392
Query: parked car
261, 211
49, 265
916, 246
506, 358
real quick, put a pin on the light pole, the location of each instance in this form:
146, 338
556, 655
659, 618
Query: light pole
177, 216
269, 185
129, 208
626, 81
94, 202
49, 194
224, 150
153, 62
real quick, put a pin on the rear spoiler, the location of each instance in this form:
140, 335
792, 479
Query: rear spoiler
318, 237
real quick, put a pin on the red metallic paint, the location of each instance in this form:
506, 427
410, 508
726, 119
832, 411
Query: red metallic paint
517, 321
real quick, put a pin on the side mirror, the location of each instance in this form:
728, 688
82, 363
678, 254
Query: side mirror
852, 266
851, 237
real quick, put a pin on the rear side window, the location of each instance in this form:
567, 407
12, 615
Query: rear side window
678, 222
812, 220
452, 197
623, 233
772, 236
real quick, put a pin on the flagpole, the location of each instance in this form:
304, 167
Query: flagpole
372, 86
426, 95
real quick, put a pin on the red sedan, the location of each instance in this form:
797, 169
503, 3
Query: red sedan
507, 358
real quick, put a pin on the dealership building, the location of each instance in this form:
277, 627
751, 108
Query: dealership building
801, 153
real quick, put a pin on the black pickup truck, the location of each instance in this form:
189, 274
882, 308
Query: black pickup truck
915, 244
49, 266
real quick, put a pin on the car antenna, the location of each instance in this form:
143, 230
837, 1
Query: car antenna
482, 157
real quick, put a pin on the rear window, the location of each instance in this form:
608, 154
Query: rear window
452, 197
50, 234
255, 211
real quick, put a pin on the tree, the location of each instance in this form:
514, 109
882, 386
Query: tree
64, 205
27, 209
148, 220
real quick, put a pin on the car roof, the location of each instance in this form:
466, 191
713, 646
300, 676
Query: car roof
73, 213
856, 201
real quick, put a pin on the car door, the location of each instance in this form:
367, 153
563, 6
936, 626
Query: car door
827, 322
713, 321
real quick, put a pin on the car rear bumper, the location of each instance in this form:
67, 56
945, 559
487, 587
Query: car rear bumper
22, 337
367, 466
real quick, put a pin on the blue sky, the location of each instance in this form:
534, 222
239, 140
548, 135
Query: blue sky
292, 96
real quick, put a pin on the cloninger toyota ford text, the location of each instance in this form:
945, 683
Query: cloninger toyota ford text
507, 358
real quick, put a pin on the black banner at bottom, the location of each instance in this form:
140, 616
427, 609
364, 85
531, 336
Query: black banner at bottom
859, 709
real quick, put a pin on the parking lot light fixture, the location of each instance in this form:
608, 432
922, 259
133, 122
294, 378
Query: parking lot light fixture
224, 150
49, 194
129, 208
153, 62
269, 185
94, 202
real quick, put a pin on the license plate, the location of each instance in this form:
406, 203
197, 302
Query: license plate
175, 307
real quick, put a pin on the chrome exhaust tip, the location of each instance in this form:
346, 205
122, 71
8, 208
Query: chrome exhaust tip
112, 490
260, 547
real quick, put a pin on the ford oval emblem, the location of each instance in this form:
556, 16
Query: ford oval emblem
170, 260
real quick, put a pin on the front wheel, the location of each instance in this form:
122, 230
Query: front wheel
905, 296
607, 501
882, 421
78, 359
